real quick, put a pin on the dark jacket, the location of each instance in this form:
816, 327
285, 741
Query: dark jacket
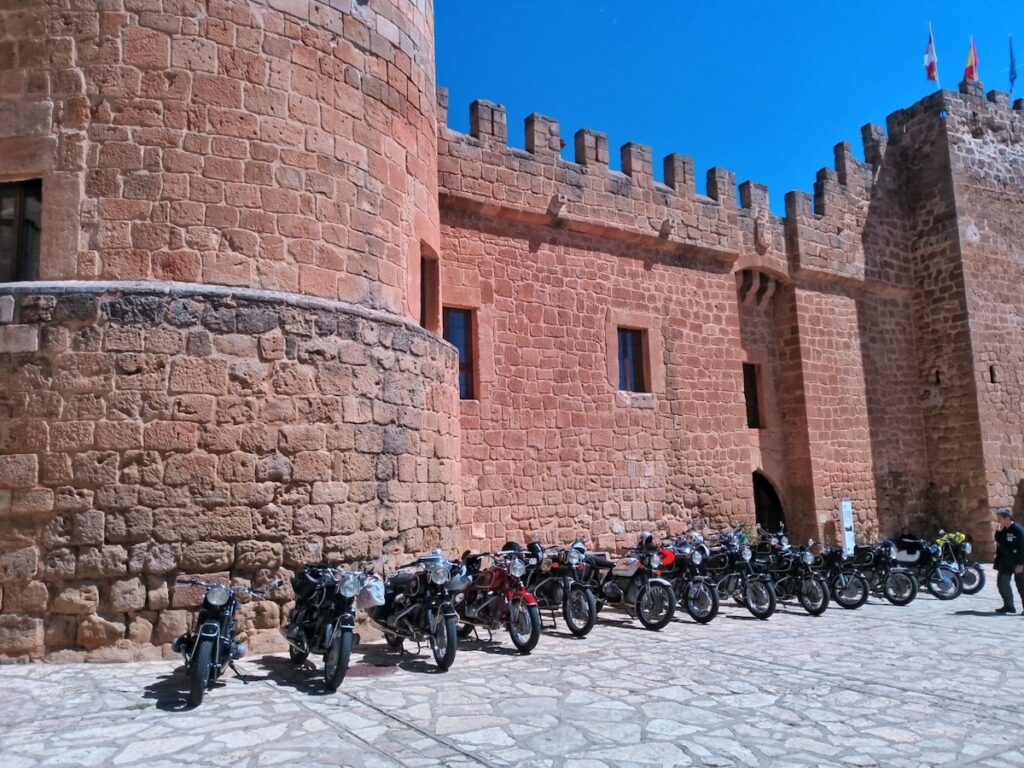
1009, 548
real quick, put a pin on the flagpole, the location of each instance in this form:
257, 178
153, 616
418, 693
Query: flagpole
935, 53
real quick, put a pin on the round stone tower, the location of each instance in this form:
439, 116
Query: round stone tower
208, 360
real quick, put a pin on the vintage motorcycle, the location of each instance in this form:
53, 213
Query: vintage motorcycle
793, 576
211, 647
682, 563
847, 585
878, 565
924, 560
552, 576
631, 584
496, 598
731, 568
956, 553
323, 620
418, 607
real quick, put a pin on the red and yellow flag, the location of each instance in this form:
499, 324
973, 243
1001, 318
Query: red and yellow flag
971, 70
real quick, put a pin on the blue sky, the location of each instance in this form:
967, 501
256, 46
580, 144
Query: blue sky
764, 89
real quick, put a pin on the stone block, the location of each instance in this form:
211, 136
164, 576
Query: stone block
19, 470
26, 598
19, 565
199, 375
95, 632
255, 555
16, 339
6, 309
102, 562
21, 635
206, 556
170, 625
127, 595
80, 600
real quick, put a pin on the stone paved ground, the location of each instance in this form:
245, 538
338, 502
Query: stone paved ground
887, 686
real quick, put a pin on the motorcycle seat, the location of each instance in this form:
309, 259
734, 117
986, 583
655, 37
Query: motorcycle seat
600, 561
401, 580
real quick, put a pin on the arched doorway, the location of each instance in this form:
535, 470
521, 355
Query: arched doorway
767, 506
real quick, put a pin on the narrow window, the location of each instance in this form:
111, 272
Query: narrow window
458, 330
631, 360
21, 209
430, 290
992, 374
750, 375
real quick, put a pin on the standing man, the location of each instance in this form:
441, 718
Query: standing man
1009, 558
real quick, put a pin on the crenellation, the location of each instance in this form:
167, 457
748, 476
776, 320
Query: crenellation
875, 142
722, 187
1001, 98
591, 148
753, 195
637, 163
543, 136
678, 174
487, 122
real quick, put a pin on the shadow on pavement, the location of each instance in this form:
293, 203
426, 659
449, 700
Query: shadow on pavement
170, 691
983, 613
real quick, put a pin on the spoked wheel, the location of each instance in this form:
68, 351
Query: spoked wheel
297, 656
444, 641
813, 595
760, 599
523, 625
337, 658
199, 681
973, 579
656, 605
701, 600
579, 610
900, 588
850, 590
944, 583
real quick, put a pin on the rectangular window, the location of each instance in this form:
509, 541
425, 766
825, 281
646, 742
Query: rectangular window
631, 360
750, 375
458, 330
21, 216
430, 289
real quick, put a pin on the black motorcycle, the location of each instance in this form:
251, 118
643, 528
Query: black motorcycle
682, 563
211, 647
885, 576
956, 553
630, 584
848, 586
924, 560
323, 620
418, 607
793, 575
731, 568
553, 576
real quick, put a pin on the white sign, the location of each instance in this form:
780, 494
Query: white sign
849, 539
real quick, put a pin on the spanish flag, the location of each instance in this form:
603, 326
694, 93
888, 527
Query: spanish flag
971, 70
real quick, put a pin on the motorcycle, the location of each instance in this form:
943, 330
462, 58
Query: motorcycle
924, 560
956, 551
552, 576
848, 586
496, 598
682, 563
418, 607
878, 565
323, 620
211, 647
631, 584
792, 574
731, 568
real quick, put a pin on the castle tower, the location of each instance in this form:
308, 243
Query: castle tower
215, 214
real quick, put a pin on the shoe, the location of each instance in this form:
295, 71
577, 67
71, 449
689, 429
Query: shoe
1006, 610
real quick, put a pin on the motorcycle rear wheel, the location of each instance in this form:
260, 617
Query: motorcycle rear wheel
297, 656
523, 625
444, 642
579, 610
701, 601
760, 599
900, 588
813, 595
202, 661
336, 659
850, 590
973, 579
943, 583
394, 642
655, 606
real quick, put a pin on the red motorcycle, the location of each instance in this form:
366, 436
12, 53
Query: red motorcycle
498, 599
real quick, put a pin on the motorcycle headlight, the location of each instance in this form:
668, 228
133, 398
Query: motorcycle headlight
967, 547
439, 574
698, 538
218, 596
517, 568
808, 557
655, 560
574, 557
697, 557
349, 585
745, 553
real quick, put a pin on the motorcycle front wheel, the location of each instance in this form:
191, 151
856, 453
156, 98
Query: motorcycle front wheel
579, 610
900, 588
973, 579
943, 583
337, 658
394, 642
297, 656
813, 595
760, 599
444, 642
202, 661
701, 601
850, 590
523, 625
655, 606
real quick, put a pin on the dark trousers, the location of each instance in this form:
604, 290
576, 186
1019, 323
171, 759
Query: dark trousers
1004, 587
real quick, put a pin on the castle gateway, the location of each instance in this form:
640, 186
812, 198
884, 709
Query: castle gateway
260, 305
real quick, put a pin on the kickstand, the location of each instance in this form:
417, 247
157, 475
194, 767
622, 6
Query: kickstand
238, 672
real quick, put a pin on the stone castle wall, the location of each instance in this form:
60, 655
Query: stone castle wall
149, 432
